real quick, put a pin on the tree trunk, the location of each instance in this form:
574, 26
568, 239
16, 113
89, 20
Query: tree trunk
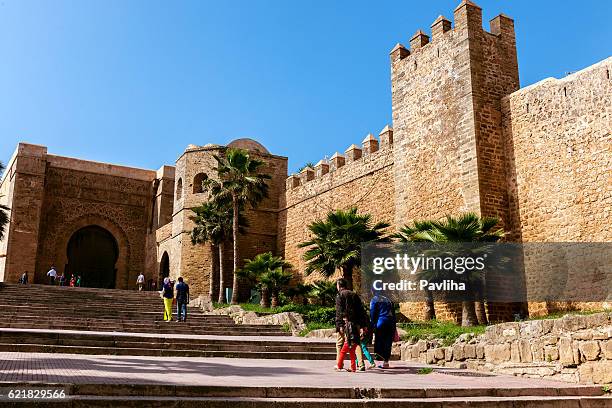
213, 271
347, 273
481, 312
274, 299
430, 309
468, 314
265, 298
236, 258
221, 280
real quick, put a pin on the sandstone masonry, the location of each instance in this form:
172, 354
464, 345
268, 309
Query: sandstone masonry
464, 138
574, 348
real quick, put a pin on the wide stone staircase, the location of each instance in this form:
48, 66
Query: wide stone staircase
102, 348
42, 318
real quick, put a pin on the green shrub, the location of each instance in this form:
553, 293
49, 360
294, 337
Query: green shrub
315, 326
322, 315
447, 331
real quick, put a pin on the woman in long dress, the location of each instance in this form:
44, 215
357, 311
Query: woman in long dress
382, 318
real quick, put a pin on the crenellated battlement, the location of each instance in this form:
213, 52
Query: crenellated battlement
467, 18
370, 147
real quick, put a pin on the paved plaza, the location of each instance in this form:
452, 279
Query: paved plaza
81, 369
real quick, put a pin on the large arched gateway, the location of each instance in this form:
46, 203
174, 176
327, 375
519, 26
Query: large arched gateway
92, 254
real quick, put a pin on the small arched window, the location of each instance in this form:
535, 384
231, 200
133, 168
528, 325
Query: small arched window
179, 189
197, 182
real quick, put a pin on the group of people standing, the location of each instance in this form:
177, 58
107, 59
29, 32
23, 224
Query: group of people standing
60, 280
354, 328
182, 298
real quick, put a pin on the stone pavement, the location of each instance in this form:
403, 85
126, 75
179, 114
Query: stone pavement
81, 369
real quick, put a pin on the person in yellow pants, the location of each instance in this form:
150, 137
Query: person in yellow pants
167, 294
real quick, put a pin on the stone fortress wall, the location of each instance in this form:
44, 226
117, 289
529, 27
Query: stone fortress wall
464, 138
361, 177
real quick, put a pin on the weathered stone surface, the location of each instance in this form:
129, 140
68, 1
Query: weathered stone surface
515, 355
439, 353
448, 354
551, 353
469, 351
431, 356
458, 352
589, 350
525, 351
203, 303
606, 349
566, 353
497, 352
421, 346
323, 334
602, 372
293, 320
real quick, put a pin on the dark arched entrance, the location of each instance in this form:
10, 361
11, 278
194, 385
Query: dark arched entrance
92, 254
164, 268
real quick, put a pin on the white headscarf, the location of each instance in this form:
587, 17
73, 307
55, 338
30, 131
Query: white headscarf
166, 280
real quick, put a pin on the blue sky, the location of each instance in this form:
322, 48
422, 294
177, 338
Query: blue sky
134, 82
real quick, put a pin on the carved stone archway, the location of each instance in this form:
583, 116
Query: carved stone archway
123, 256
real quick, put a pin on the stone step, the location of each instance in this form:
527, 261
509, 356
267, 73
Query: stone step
7, 345
146, 345
59, 335
191, 321
341, 392
161, 395
169, 328
25, 311
224, 402
117, 351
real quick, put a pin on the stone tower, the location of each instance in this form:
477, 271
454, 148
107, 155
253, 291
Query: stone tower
446, 93
175, 252
447, 117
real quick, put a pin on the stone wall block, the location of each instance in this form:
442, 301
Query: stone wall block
448, 353
515, 354
566, 354
606, 349
589, 350
525, 351
431, 356
469, 351
459, 352
551, 353
480, 351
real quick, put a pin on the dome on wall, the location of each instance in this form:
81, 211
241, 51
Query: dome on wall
248, 144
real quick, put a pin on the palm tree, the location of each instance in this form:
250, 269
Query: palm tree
274, 281
299, 293
213, 223
336, 242
419, 232
4, 218
325, 292
241, 184
464, 228
255, 268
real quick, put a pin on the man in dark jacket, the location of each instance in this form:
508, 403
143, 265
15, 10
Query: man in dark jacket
182, 298
350, 318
